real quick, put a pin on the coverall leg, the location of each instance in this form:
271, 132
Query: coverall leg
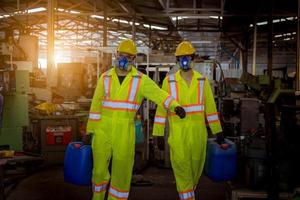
180, 154
187, 155
123, 144
117, 142
198, 153
102, 151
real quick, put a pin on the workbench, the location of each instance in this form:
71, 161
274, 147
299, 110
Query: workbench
53, 134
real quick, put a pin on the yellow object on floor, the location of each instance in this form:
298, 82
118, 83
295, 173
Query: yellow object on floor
7, 153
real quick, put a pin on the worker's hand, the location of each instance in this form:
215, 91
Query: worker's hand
87, 139
220, 138
180, 112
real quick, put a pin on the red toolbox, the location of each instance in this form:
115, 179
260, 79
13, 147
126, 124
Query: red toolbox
58, 135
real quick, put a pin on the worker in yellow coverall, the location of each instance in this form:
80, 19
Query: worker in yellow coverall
188, 137
117, 98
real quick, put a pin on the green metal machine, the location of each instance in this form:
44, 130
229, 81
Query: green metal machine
15, 111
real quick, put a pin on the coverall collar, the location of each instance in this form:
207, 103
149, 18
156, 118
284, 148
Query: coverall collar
196, 75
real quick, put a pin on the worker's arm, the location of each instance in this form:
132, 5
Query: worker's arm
95, 115
211, 113
160, 115
151, 91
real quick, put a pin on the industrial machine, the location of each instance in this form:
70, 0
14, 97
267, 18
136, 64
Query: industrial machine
15, 64
14, 107
262, 117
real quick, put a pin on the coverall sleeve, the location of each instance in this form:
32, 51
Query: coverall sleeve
151, 91
160, 115
95, 110
211, 113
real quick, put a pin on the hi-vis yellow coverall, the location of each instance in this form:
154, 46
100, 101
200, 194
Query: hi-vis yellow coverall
188, 136
111, 119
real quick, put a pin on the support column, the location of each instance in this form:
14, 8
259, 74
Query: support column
298, 52
270, 41
104, 54
50, 40
133, 30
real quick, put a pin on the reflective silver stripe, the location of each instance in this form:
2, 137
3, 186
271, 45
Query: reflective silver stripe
118, 194
134, 88
100, 188
211, 118
160, 120
196, 108
94, 116
172, 77
106, 85
201, 87
168, 102
173, 86
187, 195
120, 105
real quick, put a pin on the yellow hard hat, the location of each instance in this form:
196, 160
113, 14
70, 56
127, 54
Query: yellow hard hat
185, 48
127, 46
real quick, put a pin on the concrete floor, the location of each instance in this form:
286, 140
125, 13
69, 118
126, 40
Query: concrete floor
48, 184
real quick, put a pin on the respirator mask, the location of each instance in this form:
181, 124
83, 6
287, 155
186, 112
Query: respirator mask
185, 63
123, 63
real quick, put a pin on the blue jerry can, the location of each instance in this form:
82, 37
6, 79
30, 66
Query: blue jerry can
78, 164
220, 164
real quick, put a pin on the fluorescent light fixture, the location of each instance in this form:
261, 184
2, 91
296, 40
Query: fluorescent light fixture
285, 34
202, 42
193, 17
286, 39
155, 27
159, 27
123, 21
97, 16
120, 20
136, 23
275, 21
74, 12
4, 16
262, 23
35, 10
216, 17
60, 9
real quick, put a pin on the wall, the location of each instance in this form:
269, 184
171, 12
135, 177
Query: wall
281, 58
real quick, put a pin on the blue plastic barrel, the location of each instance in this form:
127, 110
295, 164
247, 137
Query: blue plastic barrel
78, 164
220, 163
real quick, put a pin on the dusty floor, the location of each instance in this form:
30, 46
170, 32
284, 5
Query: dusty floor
48, 184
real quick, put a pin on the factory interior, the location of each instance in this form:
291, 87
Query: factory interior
53, 52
